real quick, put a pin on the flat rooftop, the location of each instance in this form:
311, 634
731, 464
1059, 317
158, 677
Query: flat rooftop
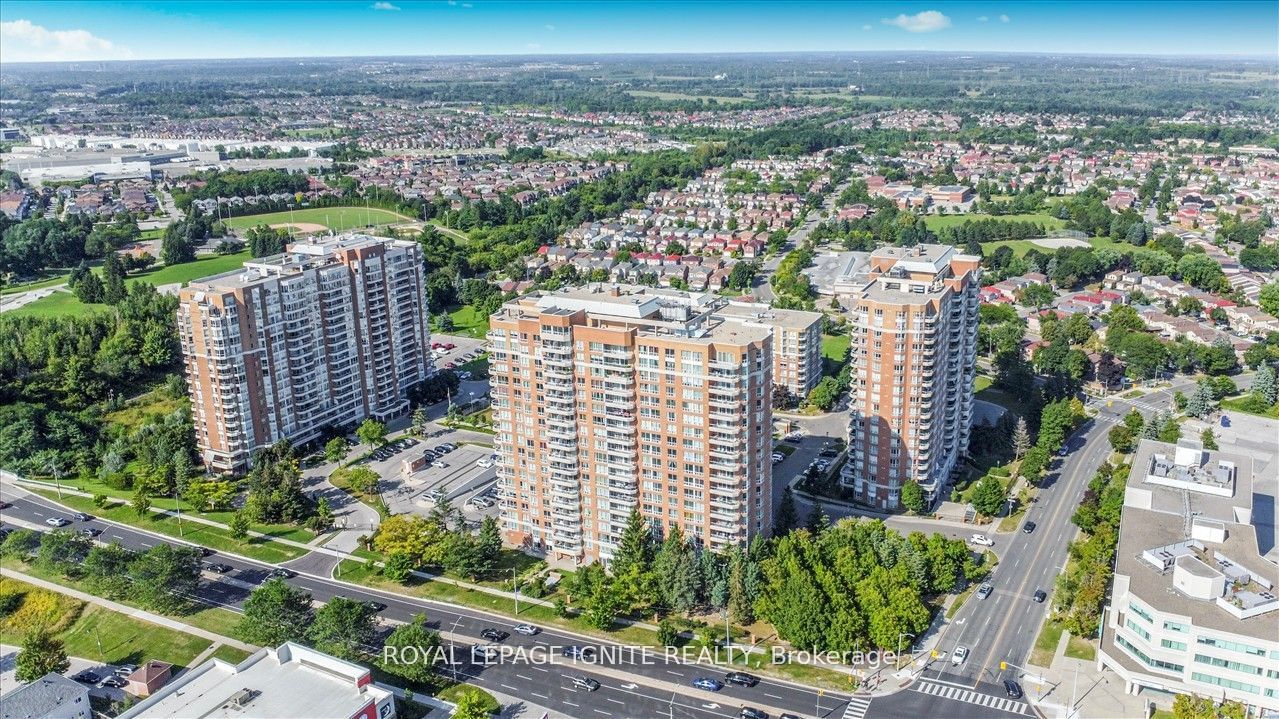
285, 683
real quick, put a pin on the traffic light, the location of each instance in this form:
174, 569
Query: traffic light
934, 653
1003, 665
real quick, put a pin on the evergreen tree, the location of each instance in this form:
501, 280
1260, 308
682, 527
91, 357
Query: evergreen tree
419, 421
1265, 386
1201, 402
675, 567
817, 520
113, 291
1021, 438
1150, 430
89, 290
635, 550
787, 516
488, 548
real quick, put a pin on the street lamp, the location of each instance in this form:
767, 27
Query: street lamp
897, 659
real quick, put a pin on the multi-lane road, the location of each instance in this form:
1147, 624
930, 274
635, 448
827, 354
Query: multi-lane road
632, 683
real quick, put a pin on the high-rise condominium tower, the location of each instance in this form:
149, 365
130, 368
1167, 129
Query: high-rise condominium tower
611, 398
326, 334
914, 333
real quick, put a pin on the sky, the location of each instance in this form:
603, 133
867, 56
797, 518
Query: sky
67, 30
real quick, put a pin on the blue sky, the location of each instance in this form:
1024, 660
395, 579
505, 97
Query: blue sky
68, 30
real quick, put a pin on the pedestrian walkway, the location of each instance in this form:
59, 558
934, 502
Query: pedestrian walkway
1093, 693
127, 610
857, 707
968, 696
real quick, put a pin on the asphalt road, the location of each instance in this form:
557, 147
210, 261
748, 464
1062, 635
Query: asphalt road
632, 684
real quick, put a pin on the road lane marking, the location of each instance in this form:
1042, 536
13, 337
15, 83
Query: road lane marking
572, 704
601, 711
678, 674
615, 701
771, 696
539, 696
527, 679
508, 686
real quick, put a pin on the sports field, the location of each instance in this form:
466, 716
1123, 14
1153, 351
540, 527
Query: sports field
337, 219
936, 222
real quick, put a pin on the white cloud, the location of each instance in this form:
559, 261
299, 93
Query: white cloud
926, 21
23, 41
549, 27
1004, 18
865, 27
983, 18
534, 46
385, 6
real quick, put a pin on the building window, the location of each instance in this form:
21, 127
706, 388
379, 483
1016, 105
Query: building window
1232, 646
1175, 627
1227, 683
1227, 664
1137, 628
1144, 659
1140, 612
1170, 644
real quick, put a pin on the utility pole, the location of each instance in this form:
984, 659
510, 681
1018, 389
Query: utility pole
515, 582
1073, 685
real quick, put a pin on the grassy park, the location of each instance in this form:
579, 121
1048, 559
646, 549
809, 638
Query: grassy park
337, 219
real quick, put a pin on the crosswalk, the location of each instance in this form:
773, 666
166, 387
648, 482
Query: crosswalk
956, 693
856, 708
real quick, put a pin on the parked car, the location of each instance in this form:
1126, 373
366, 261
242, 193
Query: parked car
778, 457
443, 449
87, 677
494, 635
447, 447
709, 684
1040, 596
125, 670
585, 683
527, 630
984, 591
753, 713
961, 653
742, 679
1012, 688
1028, 527
829, 452
485, 462
982, 540
794, 437
439, 464
57, 521
114, 682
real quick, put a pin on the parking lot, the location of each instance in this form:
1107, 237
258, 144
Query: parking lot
414, 482
463, 350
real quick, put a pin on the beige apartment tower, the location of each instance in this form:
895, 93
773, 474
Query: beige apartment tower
914, 334
330, 332
797, 343
611, 398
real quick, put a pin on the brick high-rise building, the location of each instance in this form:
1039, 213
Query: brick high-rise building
914, 335
606, 399
797, 343
326, 334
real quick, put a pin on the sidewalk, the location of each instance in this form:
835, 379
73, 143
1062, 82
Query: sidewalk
127, 610
1097, 694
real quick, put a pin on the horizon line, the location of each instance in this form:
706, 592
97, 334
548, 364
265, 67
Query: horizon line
704, 53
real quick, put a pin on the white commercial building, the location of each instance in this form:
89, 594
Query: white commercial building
1193, 607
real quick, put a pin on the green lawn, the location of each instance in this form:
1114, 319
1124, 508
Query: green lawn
58, 304
936, 222
981, 382
64, 303
229, 654
213, 537
835, 348
1240, 404
48, 279
337, 219
1021, 247
188, 271
111, 637
1046, 644
1003, 399
1080, 648
455, 692
468, 323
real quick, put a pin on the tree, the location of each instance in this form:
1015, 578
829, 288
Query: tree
62, 551
989, 495
141, 500
1201, 403
419, 421
372, 432
418, 635
1033, 464
818, 520
1269, 299
1208, 438
1170, 430
335, 449
1193, 706
470, 704
1265, 386
342, 627
165, 577
787, 517
1199, 270
488, 548
675, 567
912, 496
824, 395
239, 525
1021, 438
41, 653
106, 570
667, 634
1036, 295
89, 289
1150, 430
275, 486
275, 613
1121, 439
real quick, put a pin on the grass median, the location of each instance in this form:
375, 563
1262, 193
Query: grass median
219, 538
